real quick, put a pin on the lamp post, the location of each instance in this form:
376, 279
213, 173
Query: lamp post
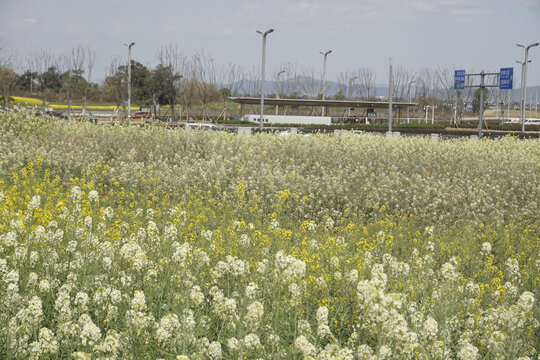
129, 77
349, 94
277, 87
521, 117
262, 71
324, 76
390, 93
524, 83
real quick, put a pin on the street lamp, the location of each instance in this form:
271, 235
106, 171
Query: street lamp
277, 87
524, 83
390, 94
521, 117
262, 71
324, 76
349, 94
129, 76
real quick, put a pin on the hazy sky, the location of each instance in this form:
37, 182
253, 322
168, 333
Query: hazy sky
461, 34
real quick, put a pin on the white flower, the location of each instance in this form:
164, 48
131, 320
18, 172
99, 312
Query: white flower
138, 302
233, 344
89, 332
196, 295
32, 279
9, 239
251, 290
214, 350
526, 301
207, 235
252, 342
134, 254
322, 315
12, 277
323, 331
448, 272
44, 285
304, 346
512, 266
34, 203
111, 344
79, 355
430, 327
93, 196
35, 309
352, 276
254, 314
486, 249
364, 352
244, 240
384, 352
303, 327
168, 326
76, 194
467, 352
47, 341
81, 299
62, 305
108, 213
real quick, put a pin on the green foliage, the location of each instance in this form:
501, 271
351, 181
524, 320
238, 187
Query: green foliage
476, 100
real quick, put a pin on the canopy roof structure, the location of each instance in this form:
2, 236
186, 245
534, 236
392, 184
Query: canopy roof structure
327, 103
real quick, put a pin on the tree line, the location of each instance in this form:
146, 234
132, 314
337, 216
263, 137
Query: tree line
198, 80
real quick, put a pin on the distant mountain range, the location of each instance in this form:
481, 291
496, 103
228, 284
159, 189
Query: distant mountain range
332, 88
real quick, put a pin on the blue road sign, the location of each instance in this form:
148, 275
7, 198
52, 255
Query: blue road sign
459, 79
506, 78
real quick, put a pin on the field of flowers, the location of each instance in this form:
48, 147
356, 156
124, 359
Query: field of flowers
147, 243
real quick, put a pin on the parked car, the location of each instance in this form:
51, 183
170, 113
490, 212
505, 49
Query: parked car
141, 115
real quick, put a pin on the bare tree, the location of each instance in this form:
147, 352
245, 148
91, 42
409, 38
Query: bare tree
204, 76
115, 85
90, 60
402, 81
232, 77
42, 61
343, 81
309, 84
365, 83
169, 74
425, 83
290, 85
252, 85
72, 69
8, 77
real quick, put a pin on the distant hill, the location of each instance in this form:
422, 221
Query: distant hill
332, 88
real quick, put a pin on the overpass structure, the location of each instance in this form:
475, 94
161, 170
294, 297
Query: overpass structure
321, 103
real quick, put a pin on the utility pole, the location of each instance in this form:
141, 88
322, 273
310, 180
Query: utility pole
349, 95
409, 96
